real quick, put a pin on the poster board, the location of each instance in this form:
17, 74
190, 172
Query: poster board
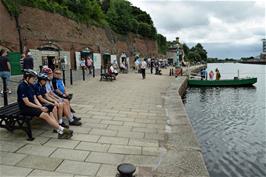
77, 57
113, 59
97, 60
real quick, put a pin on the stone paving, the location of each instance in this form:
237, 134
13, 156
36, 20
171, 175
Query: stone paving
123, 121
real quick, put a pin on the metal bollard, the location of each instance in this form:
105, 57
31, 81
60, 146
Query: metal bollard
64, 77
5, 92
93, 71
126, 170
71, 79
83, 73
170, 72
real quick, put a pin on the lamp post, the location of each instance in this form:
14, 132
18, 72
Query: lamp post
177, 65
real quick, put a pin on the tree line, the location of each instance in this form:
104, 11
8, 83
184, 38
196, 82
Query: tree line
120, 15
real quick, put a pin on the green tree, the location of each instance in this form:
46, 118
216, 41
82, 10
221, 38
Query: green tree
119, 16
194, 57
186, 51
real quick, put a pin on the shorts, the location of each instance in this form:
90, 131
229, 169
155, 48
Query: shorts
29, 111
50, 107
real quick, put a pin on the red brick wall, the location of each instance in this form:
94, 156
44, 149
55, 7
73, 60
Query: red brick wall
39, 27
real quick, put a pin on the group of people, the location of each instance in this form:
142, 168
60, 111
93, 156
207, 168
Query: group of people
204, 74
87, 64
48, 99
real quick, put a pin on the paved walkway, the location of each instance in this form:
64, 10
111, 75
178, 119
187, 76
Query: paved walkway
123, 121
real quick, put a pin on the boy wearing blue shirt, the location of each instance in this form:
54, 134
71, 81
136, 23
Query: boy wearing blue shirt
29, 105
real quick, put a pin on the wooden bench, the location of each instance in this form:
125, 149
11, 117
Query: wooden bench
106, 77
11, 119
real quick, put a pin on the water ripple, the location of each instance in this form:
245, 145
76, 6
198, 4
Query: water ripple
230, 124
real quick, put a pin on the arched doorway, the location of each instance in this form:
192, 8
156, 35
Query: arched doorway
50, 55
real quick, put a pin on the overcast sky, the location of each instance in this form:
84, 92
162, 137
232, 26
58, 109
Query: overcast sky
227, 29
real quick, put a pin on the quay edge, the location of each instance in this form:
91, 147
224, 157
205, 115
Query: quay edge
182, 155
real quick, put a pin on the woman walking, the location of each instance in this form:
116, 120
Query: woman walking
5, 68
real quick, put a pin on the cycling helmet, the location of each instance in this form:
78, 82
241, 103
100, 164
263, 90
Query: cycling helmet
42, 76
29, 73
47, 70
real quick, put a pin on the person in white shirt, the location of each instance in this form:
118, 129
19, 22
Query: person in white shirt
143, 67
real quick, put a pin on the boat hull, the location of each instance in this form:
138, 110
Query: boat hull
226, 82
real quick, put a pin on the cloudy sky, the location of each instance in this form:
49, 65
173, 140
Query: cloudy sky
227, 29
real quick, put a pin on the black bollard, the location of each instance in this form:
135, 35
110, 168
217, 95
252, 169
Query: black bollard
93, 71
64, 77
71, 79
170, 73
83, 73
126, 170
5, 92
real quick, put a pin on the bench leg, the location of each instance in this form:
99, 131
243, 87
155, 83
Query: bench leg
28, 131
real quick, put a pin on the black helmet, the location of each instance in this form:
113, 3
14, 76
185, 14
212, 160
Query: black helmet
29, 73
42, 76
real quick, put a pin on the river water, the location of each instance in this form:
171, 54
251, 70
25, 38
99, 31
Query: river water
230, 123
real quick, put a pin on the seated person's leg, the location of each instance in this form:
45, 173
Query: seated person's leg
62, 132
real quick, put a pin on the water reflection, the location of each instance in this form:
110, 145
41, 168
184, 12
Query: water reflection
231, 125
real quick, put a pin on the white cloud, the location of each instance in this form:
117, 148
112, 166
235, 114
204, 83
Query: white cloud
227, 23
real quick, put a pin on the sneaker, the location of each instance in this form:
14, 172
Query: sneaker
64, 125
9, 91
75, 123
66, 134
2, 92
76, 118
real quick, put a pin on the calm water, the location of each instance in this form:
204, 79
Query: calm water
230, 123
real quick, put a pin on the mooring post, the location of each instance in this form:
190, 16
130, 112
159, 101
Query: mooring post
126, 170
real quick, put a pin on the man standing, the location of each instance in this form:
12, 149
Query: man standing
143, 67
28, 61
5, 68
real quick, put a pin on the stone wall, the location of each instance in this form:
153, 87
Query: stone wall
39, 27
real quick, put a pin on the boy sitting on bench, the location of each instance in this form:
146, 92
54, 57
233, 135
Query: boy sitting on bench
30, 106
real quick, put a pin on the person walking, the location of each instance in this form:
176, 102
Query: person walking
5, 68
28, 61
152, 65
143, 67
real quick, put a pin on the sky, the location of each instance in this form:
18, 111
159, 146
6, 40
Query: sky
226, 29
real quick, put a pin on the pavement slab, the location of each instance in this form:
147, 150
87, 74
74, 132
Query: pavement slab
39, 162
78, 168
70, 154
10, 158
13, 171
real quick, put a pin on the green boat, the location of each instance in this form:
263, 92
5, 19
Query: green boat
225, 82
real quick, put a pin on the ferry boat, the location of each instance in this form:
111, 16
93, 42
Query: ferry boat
225, 82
